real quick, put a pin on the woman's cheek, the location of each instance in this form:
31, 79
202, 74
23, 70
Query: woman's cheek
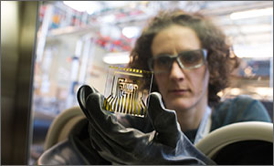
161, 82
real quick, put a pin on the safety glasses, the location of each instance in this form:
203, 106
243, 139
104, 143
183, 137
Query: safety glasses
186, 60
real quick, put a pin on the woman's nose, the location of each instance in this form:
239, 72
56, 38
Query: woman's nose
176, 72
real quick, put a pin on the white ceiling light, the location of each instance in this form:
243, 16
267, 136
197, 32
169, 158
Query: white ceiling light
116, 4
84, 6
258, 52
131, 31
110, 31
252, 13
117, 58
108, 18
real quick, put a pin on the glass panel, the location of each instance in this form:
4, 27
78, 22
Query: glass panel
76, 46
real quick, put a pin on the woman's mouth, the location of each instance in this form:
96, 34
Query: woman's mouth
179, 91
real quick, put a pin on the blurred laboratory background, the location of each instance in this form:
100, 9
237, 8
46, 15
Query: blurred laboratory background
78, 40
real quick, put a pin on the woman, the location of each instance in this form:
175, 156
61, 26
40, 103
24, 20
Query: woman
187, 89
191, 61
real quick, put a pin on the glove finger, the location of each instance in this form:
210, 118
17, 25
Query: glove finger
98, 115
107, 125
106, 146
82, 94
91, 132
164, 121
107, 150
120, 154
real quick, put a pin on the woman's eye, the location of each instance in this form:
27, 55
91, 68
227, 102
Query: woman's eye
191, 58
162, 60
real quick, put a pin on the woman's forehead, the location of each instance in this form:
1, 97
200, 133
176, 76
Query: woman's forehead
175, 38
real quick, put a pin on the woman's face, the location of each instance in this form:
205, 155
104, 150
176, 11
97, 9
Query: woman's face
182, 89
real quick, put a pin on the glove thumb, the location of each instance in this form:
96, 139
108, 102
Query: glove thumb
164, 121
82, 95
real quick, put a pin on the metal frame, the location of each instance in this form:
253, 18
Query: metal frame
18, 40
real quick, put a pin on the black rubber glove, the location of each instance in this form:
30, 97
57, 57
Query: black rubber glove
82, 95
121, 145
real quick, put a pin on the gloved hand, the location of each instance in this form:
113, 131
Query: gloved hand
121, 145
83, 93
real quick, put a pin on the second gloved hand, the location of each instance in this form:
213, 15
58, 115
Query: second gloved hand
121, 145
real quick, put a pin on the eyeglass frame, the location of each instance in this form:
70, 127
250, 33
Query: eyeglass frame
176, 58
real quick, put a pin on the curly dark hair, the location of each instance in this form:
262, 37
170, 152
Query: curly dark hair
221, 59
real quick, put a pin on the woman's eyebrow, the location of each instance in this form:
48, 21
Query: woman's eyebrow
163, 54
171, 54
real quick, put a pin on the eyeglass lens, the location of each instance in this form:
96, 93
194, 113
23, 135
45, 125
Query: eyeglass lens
188, 60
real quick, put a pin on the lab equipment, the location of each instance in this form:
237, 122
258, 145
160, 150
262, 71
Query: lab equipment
126, 91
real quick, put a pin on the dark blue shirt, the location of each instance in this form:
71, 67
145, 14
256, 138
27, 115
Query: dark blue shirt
239, 109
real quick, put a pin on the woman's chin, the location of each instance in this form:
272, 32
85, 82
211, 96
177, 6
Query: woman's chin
180, 104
